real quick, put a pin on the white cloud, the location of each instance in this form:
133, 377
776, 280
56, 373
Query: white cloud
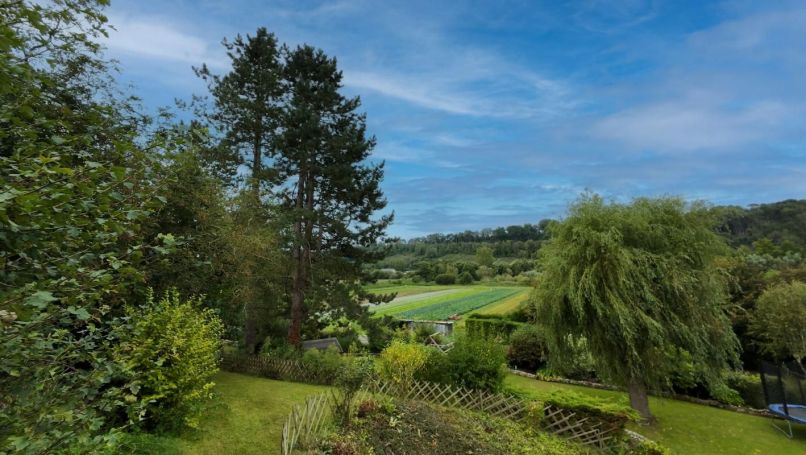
493, 91
157, 39
690, 125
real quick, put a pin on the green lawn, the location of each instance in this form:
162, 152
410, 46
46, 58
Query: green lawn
689, 428
247, 419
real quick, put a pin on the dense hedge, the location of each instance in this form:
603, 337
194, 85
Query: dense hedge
608, 411
490, 326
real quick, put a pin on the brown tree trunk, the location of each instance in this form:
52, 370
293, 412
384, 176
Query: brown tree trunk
639, 400
249, 331
297, 302
299, 275
256, 164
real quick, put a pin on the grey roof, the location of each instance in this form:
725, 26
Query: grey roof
322, 344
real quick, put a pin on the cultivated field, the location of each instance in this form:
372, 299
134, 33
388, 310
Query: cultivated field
441, 302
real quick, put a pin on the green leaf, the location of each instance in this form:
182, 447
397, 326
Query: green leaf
40, 299
80, 313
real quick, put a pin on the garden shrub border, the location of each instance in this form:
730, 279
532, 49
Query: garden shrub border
601, 421
490, 326
597, 385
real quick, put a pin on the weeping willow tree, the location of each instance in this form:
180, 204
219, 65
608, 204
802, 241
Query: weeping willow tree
637, 284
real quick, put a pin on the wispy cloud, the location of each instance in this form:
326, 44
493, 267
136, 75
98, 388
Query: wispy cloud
682, 126
156, 38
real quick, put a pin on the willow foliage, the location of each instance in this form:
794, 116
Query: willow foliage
638, 282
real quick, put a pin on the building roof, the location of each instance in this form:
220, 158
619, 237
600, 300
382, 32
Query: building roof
322, 344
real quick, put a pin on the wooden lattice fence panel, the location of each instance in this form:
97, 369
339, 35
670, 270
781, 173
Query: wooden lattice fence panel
563, 422
304, 423
269, 367
589, 431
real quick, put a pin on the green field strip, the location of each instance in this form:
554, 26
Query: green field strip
506, 305
396, 309
459, 305
405, 289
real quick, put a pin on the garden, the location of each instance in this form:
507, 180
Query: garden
218, 278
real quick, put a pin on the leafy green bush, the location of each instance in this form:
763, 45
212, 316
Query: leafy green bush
326, 364
400, 361
280, 348
724, 394
648, 447
527, 348
748, 385
351, 377
169, 353
490, 326
445, 278
465, 278
609, 411
473, 363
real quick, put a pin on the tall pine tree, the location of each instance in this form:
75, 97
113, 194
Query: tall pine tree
247, 103
329, 192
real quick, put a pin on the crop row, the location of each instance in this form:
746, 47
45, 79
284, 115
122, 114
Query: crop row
460, 305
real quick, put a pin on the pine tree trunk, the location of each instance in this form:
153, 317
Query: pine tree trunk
256, 164
299, 275
639, 400
297, 302
249, 332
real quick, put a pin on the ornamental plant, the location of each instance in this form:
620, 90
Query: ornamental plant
169, 352
399, 362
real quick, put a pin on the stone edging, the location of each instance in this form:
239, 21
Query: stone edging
596, 385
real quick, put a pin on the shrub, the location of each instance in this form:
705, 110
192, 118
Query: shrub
472, 363
748, 386
465, 278
351, 377
489, 326
169, 353
724, 394
280, 348
399, 362
527, 348
648, 447
609, 411
326, 364
445, 278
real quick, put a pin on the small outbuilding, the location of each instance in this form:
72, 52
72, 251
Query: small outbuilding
322, 344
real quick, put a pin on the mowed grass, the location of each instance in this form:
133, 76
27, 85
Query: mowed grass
247, 418
688, 428
459, 305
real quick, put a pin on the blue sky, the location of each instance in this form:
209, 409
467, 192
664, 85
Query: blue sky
501, 112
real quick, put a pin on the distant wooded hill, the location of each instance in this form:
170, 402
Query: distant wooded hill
782, 223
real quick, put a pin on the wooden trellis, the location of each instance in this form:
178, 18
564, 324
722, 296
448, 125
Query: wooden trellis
269, 367
590, 431
563, 422
304, 423
498, 405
